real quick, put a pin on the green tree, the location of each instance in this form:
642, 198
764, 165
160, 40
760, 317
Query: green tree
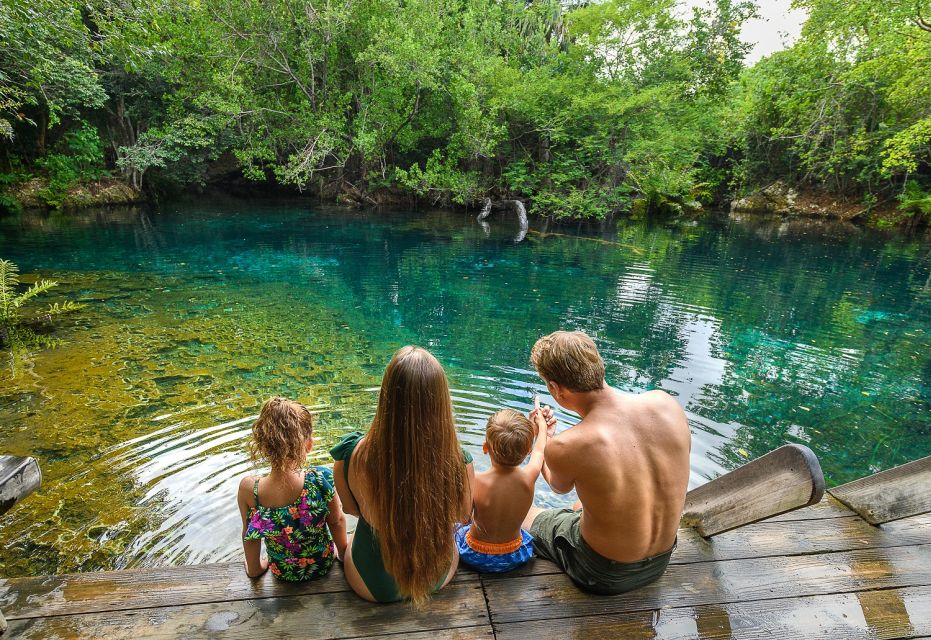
848, 107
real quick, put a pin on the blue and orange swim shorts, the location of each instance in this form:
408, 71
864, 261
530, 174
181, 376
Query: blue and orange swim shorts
488, 557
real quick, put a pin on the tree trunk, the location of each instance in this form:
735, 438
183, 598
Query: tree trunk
41, 135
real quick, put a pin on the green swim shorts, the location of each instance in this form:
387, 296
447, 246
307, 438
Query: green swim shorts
557, 537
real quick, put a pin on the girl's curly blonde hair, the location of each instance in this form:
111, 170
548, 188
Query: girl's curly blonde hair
280, 434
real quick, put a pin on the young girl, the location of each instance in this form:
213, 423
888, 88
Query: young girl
295, 510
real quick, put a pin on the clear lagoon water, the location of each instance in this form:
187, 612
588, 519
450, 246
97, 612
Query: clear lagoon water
766, 331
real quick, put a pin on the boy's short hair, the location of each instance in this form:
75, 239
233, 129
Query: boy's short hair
509, 435
570, 359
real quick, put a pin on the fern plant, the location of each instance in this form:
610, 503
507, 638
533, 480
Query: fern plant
16, 328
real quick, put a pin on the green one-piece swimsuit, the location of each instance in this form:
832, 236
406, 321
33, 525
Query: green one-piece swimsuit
366, 549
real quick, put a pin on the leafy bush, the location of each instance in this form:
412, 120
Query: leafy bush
80, 159
916, 201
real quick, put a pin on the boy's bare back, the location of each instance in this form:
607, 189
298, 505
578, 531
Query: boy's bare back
501, 498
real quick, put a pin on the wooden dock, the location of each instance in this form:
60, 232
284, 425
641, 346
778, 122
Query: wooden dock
818, 572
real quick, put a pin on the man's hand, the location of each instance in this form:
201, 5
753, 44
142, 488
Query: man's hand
550, 420
547, 414
536, 418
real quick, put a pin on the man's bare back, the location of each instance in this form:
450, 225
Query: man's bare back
628, 460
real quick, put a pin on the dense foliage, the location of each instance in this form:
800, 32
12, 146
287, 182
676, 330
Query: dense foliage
847, 107
580, 109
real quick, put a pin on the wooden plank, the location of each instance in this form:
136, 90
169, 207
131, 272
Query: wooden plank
555, 596
889, 495
871, 615
19, 476
322, 615
829, 507
785, 479
153, 587
766, 539
484, 632
795, 538
104, 591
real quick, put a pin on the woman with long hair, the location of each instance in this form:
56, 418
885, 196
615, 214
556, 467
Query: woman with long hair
408, 481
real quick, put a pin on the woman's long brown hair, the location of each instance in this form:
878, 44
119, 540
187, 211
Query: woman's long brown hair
414, 465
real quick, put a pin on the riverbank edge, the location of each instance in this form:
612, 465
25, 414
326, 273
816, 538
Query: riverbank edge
106, 191
776, 198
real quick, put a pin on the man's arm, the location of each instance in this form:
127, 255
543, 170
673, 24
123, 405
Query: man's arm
555, 467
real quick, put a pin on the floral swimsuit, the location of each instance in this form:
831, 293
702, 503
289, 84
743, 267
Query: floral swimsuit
296, 536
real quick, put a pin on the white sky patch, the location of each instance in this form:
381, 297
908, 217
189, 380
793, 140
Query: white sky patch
778, 26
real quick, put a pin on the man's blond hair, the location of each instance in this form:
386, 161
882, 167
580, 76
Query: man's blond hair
570, 359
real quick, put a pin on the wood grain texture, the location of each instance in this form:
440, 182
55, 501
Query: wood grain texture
769, 538
783, 480
170, 586
319, 616
19, 476
900, 492
871, 615
829, 507
137, 588
555, 596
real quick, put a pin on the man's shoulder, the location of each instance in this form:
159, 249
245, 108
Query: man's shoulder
660, 402
585, 435
662, 411
657, 397
564, 443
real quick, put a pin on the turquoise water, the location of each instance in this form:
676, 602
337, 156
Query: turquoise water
766, 331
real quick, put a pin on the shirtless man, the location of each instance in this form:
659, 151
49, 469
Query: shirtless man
628, 459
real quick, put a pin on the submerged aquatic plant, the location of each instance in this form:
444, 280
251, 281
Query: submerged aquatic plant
16, 328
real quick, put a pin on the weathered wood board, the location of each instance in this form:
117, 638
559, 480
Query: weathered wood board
829, 507
19, 477
319, 616
102, 591
783, 480
870, 615
704, 583
823, 574
111, 591
768, 539
896, 493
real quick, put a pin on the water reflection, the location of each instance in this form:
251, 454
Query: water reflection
766, 333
